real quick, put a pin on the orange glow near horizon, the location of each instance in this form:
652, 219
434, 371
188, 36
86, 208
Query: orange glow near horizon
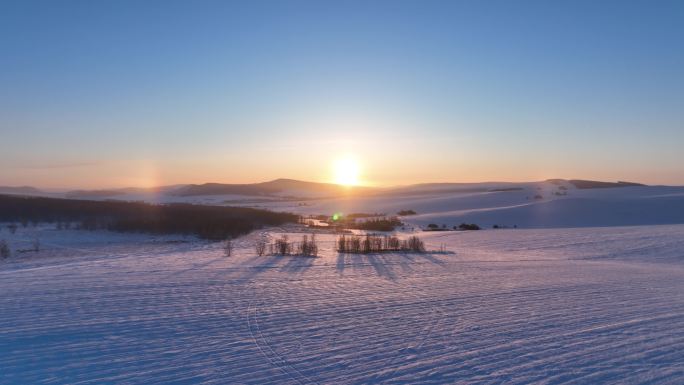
356, 167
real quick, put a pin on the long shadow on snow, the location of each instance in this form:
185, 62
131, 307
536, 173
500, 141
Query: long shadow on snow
385, 265
297, 264
196, 266
382, 266
431, 258
255, 266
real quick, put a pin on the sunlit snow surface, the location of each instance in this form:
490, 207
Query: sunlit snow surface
556, 306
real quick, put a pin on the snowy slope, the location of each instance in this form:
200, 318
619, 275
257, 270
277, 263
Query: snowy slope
548, 204
536, 205
580, 208
550, 306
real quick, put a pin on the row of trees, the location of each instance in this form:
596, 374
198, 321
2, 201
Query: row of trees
462, 226
307, 247
358, 221
355, 244
380, 224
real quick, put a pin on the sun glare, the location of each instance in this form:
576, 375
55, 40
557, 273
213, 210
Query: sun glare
346, 171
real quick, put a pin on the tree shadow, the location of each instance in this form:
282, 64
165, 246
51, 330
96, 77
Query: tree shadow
296, 264
196, 266
406, 262
431, 258
385, 265
341, 263
254, 266
383, 268
257, 265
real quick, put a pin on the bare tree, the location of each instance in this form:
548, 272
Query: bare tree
228, 247
313, 246
355, 245
283, 246
36, 244
342, 244
308, 248
260, 246
416, 245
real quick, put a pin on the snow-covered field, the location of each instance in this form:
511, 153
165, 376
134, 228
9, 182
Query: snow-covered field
533, 306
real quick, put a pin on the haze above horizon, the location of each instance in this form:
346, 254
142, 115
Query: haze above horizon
120, 94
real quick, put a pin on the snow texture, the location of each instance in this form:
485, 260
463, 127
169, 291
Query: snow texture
532, 306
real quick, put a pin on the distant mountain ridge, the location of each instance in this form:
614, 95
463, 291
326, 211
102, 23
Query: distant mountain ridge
19, 190
107, 193
297, 188
292, 188
270, 188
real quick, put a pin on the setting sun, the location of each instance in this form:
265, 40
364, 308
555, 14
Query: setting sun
346, 171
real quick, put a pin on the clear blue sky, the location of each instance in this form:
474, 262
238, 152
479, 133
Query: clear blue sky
115, 93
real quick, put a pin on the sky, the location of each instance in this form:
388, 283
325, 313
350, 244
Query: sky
97, 94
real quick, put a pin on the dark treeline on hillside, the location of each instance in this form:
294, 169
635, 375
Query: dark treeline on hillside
209, 222
380, 224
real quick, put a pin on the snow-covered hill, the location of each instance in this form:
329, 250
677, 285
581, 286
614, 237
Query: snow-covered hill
529, 205
546, 204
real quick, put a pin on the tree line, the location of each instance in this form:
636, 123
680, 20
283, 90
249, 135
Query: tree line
355, 244
208, 222
308, 247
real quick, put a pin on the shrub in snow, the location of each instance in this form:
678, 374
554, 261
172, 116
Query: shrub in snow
4, 249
